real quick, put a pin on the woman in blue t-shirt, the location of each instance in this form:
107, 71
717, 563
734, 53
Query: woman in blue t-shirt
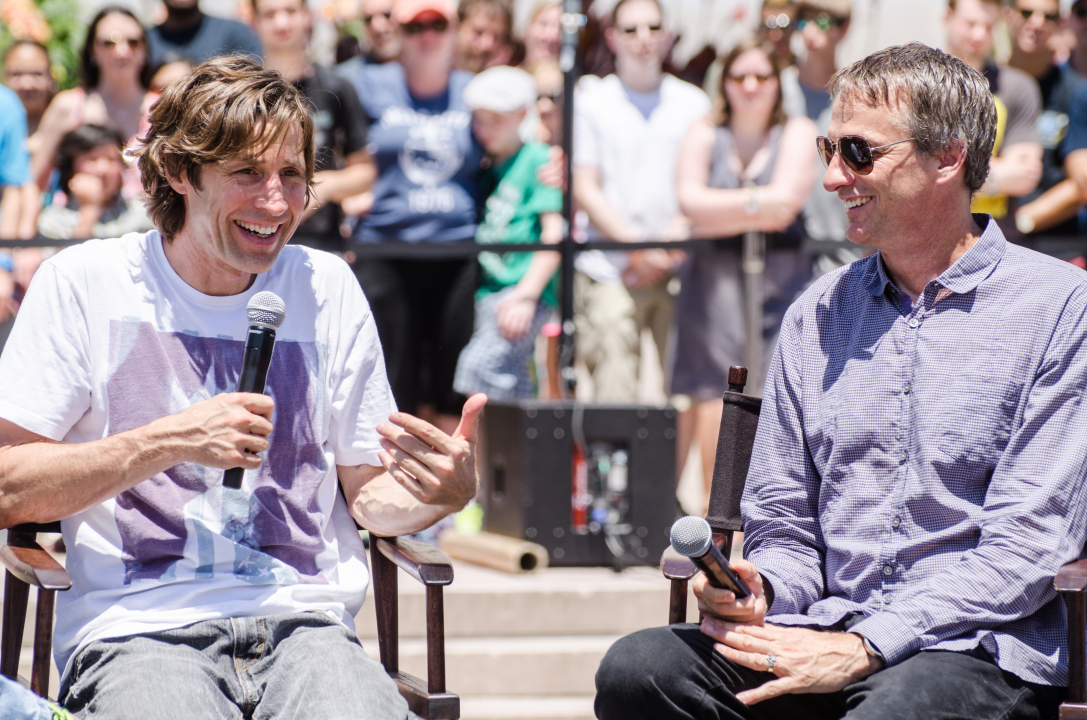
428, 170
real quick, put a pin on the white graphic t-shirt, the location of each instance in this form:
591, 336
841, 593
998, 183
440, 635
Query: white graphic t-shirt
110, 338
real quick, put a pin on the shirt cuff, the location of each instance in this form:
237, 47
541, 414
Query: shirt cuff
895, 640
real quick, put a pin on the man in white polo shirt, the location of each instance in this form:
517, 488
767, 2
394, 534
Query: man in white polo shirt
627, 131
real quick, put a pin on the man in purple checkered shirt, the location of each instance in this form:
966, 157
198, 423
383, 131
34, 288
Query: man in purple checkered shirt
918, 473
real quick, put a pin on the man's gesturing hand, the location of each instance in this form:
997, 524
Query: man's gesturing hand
806, 661
224, 431
435, 468
719, 603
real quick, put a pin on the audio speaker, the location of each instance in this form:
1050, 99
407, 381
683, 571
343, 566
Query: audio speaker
620, 512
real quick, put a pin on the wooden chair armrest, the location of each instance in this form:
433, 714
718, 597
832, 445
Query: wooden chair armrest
26, 560
676, 567
1071, 577
425, 563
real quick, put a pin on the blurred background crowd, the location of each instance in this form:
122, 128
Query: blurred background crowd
692, 119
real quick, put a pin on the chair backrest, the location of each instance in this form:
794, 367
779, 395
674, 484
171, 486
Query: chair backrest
739, 420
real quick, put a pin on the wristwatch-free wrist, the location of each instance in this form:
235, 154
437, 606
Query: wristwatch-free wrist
870, 648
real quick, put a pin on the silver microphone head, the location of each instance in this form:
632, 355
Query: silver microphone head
267, 309
691, 536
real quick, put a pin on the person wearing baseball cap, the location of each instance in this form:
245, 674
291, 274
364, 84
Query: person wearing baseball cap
428, 164
518, 291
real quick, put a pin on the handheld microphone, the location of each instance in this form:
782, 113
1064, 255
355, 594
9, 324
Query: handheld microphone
266, 313
692, 538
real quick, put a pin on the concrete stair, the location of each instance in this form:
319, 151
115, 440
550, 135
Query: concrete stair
527, 646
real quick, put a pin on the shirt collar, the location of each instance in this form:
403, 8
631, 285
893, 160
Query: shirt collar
967, 272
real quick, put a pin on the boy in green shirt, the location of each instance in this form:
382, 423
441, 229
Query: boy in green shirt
517, 291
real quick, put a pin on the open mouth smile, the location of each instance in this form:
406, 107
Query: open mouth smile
261, 231
856, 202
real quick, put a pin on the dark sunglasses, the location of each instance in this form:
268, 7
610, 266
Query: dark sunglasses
133, 43
1053, 18
823, 21
854, 150
414, 28
635, 28
367, 19
739, 79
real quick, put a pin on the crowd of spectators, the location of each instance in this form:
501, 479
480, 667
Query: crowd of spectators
691, 120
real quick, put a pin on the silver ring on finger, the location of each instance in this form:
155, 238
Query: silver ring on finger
771, 660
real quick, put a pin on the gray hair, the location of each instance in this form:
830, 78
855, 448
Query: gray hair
946, 101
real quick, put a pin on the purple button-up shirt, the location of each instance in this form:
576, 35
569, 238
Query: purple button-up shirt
927, 469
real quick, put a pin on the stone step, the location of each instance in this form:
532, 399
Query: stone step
513, 666
571, 707
556, 601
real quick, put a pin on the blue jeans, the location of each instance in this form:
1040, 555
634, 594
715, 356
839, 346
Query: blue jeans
298, 665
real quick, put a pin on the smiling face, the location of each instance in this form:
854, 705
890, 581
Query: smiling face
882, 205
243, 213
119, 48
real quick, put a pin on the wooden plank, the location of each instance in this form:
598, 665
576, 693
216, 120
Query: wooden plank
435, 639
16, 593
1072, 577
1077, 646
43, 642
386, 606
677, 602
442, 706
33, 565
425, 563
1071, 711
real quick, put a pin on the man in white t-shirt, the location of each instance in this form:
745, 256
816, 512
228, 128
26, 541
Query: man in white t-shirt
191, 599
627, 131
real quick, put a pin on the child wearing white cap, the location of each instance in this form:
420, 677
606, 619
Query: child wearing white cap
517, 291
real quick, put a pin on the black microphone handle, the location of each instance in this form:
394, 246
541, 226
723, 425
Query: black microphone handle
259, 344
715, 566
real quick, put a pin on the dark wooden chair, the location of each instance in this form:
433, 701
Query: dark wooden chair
739, 419
28, 564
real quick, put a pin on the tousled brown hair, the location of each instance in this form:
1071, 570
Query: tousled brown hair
945, 101
722, 112
225, 107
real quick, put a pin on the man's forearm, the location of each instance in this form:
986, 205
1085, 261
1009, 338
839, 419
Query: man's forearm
383, 507
335, 185
43, 481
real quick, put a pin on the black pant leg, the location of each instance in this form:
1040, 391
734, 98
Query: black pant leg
673, 673
387, 291
936, 685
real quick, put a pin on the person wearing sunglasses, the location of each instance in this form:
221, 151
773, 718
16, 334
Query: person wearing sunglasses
382, 37
1017, 162
115, 76
746, 168
822, 24
917, 476
426, 190
628, 128
1053, 207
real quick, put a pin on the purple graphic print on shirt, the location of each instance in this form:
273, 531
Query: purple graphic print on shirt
273, 529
